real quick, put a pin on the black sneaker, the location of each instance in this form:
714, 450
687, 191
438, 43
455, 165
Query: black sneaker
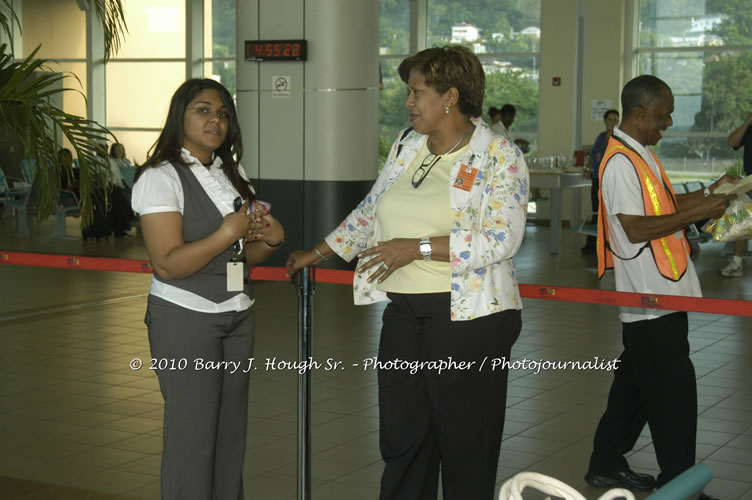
627, 479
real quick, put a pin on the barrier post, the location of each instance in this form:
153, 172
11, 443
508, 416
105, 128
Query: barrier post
305, 285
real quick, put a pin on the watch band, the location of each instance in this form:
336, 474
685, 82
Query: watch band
425, 248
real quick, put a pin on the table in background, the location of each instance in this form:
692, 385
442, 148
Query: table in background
556, 182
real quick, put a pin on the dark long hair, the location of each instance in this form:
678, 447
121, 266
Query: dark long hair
170, 140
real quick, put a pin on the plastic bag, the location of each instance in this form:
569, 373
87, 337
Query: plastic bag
735, 223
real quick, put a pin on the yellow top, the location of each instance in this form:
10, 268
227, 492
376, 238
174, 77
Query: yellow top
406, 212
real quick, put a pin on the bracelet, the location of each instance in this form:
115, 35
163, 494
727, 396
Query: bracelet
318, 252
275, 245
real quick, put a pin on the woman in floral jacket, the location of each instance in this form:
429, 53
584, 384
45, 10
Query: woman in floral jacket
436, 236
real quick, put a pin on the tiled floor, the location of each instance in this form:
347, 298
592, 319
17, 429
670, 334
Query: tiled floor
76, 422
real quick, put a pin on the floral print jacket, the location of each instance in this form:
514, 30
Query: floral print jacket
488, 223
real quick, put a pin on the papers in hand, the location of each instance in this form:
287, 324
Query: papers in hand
742, 186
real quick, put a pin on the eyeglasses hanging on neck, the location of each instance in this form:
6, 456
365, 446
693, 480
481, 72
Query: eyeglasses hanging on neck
425, 167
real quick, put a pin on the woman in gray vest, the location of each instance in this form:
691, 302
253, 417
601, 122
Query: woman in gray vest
202, 238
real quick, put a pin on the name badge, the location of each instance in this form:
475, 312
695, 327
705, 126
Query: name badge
235, 276
465, 178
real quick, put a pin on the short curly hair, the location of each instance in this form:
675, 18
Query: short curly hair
450, 66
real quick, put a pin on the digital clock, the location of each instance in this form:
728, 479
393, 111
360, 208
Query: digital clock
276, 50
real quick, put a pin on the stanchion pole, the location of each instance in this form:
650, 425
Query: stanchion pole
305, 284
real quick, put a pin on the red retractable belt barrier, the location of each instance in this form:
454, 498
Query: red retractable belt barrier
545, 292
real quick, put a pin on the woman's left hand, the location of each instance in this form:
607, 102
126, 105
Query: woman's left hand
267, 229
388, 256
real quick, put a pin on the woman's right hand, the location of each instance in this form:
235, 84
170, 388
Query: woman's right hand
238, 224
300, 259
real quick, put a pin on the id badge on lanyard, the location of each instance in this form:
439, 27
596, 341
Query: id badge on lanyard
465, 177
235, 276
235, 268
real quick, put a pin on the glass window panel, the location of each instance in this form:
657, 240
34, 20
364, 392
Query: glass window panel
59, 27
514, 81
696, 157
392, 112
136, 144
708, 97
219, 27
508, 81
73, 100
694, 23
394, 27
138, 94
709, 102
485, 26
156, 28
223, 72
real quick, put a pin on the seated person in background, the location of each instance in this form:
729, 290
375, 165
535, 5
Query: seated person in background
506, 117
611, 120
69, 174
114, 176
119, 161
117, 156
119, 195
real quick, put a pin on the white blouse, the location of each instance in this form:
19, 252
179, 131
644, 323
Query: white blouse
159, 190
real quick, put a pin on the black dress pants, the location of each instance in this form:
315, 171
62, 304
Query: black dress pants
450, 421
654, 384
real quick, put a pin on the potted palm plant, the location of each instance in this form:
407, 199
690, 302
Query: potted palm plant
30, 94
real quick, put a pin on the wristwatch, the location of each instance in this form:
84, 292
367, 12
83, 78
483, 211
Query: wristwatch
425, 248
707, 192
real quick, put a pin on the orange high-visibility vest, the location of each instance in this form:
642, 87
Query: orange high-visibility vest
671, 253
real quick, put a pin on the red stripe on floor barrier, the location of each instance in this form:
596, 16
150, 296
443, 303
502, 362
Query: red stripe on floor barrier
613, 298
73, 262
544, 292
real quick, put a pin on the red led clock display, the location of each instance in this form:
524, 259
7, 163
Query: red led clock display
276, 50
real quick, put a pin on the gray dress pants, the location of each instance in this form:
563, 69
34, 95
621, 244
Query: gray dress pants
206, 408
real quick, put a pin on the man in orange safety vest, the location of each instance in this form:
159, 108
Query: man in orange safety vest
641, 236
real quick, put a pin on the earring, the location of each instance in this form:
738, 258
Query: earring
446, 110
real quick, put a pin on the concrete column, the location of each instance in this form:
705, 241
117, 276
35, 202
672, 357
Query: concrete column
558, 54
583, 42
96, 76
418, 25
311, 149
604, 69
194, 39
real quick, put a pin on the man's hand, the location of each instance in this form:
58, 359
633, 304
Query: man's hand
726, 179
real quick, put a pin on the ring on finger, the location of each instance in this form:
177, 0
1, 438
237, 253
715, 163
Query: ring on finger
386, 267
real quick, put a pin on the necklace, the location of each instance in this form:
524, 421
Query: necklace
431, 160
451, 150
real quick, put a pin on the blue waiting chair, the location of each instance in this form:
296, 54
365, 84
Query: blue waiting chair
29, 169
18, 200
67, 206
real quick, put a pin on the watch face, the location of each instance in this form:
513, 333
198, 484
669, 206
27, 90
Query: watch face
425, 248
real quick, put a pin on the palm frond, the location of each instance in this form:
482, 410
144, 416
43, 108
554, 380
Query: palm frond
27, 109
8, 19
111, 16
28, 90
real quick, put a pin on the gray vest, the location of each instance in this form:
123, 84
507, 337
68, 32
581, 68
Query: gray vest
201, 218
